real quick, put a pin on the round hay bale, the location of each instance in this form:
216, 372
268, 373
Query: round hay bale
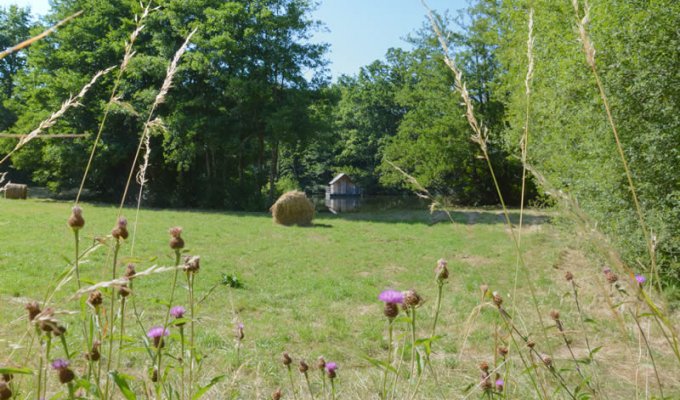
16, 191
293, 208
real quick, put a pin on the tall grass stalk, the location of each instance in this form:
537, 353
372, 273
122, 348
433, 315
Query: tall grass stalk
192, 334
112, 318
589, 51
42, 35
480, 137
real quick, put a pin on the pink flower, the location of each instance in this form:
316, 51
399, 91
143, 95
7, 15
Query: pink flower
60, 363
157, 332
177, 311
391, 296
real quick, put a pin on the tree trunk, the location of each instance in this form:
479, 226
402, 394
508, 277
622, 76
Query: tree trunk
273, 171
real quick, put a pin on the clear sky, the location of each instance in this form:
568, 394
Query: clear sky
359, 31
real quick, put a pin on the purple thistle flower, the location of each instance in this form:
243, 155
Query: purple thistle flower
157, 332
391, 296
640, 279
331, 367
499, 384
60, 363
177, 311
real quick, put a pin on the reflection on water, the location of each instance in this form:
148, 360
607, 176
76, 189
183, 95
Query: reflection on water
338, 205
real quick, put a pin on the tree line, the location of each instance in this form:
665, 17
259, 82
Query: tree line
253, 111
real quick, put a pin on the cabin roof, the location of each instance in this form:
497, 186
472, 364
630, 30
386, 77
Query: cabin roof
338, 177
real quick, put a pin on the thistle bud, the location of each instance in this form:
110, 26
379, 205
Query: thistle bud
484, 366
321, 363
130, 271
154, 375
120, 230
33, 309
286, 360
192, 264
277, 394
531, 344
547, 360
441, 272
124, 290
238, 332
176, 241
391, 310
95, 298
76, 220
64, 372
5, 392
7, 377
303, 367
497, 299
503, 351
412, 299
555, 315
568, 276
94, 354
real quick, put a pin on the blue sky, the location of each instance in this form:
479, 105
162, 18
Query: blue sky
359, 31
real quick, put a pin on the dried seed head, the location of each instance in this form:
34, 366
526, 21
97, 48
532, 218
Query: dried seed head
441, 272
610, 276
124, 290
285, 359
76, 220
484, 289
46, 321
95, 298
33, 309
59, 330
321, 363
486, 382
555, 315
94, 354
546, 360
176, 241
130, 271
303, 366
503, 351
5, 392
120, 230
531, 344
484, 366
277, 394
192, 264
7, 377
412, 299
568, 276
391, 310
497, 299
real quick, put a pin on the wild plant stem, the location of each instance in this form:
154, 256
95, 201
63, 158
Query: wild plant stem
112, 317
413, 339
190, 278
323, 383
77, 267
332, 389
181, 358
440, 284
292, 383
396, 375
389, 357
649, 350
167, 319
122, 330
47, 363
309, 386
581, 317
38, 385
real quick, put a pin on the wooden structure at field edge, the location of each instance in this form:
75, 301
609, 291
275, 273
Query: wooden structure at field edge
342, 185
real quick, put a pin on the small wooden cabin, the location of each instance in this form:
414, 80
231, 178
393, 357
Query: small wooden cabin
342, 185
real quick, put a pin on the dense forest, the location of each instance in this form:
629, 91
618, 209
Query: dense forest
253, 111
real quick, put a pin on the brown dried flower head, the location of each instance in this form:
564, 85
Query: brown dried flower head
568, 276
503, 351
130, 271
7, 377
547, 360
76, 220
531, 344
124, 290
486, 382
555, 315
441, 271
321, 363
277, 394
286, 360
192, 264
95, 298
497, 299
120, 230
412, 299
46, 321
94, 354
484, 366
610, 276
66, 375
5, 392
303, 366
176, 241
33, 309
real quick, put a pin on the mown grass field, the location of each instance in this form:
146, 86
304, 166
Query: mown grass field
313, 291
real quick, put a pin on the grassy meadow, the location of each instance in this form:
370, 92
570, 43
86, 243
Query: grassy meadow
313, 291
